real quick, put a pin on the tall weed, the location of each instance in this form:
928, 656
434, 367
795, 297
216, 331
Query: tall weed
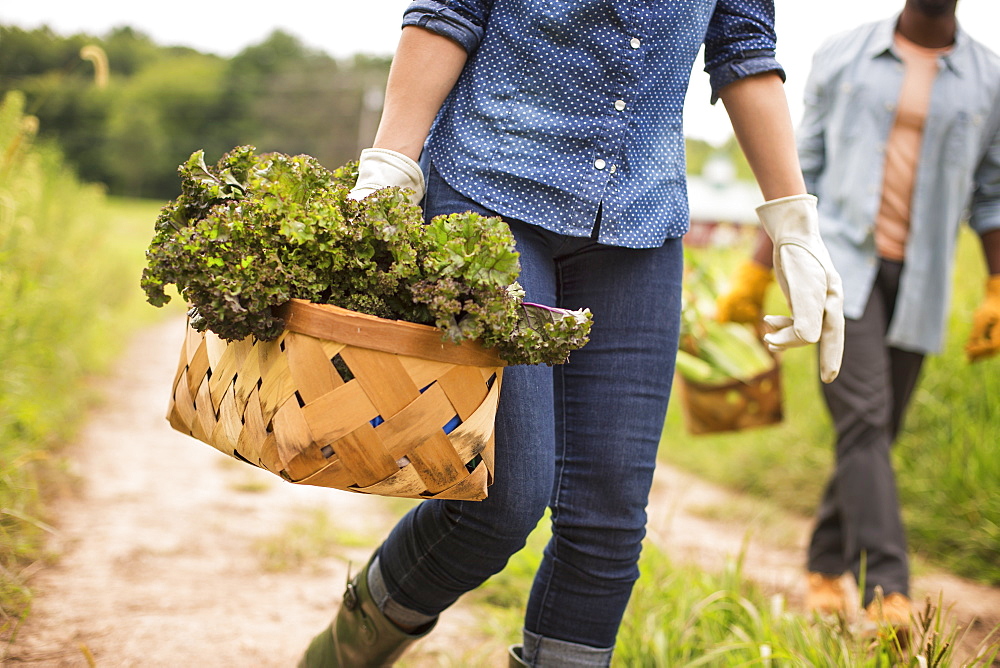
69, 267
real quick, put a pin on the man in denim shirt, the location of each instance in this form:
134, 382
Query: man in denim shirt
564, 118
900, 138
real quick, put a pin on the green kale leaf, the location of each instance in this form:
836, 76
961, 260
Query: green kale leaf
253, 231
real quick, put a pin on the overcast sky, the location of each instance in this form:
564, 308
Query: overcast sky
344, 27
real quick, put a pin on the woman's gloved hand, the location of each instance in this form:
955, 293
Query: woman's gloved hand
745, 300
984, 339
813, 288
381, 167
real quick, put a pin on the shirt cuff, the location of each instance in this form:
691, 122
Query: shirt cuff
751, 62
445, 22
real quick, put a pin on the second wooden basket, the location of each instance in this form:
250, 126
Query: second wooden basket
346, 400
732, 406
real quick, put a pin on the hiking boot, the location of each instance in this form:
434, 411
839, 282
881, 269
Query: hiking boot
360, 635
825, 595
890, 613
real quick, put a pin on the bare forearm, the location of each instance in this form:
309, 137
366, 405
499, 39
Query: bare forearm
991, 250
424, 70
763, 253
758, 110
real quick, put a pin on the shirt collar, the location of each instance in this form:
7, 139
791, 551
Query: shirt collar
884, 34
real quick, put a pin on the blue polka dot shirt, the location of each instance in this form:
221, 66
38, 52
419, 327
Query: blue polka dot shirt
568, 114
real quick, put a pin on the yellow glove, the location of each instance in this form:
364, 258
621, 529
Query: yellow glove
745, 301
984, 340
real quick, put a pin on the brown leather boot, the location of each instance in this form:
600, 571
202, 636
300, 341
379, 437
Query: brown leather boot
888, 616
825, 595
360, 636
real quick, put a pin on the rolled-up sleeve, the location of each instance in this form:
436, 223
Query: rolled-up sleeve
463, 21
984, 214
740, 42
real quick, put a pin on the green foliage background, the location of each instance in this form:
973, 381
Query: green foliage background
163, 103
70, 260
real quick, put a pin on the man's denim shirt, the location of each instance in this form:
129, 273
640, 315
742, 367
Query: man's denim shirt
570, 110
850, 107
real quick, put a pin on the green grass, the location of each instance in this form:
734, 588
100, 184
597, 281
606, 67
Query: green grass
70, 261
682, 617
945, 458
306, 541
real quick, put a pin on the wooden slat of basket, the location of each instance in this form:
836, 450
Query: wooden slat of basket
181, 411
362, 454
182, 362
204, 422
254, 434
472, 486
465, 389
430, 411
228, 366
293, 437
339, 412
309, 365
334, 474
227, 430
405, 482
215, 347
383, 378
474, 436
424, 372
275, 380
436, 462
331, 322
197, 368
248, 377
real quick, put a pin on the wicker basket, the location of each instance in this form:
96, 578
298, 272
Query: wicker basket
731, 406
348, 401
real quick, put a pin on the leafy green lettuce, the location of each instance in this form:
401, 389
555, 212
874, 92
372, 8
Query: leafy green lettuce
254, 231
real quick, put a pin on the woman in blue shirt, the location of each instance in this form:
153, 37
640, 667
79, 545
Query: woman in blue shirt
564, 117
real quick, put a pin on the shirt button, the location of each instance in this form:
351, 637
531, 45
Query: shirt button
600, 164
614, 168
635, 43
620, 105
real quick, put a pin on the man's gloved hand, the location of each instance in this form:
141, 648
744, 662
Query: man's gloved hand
811, 285
380, 168
984, 340
745, 301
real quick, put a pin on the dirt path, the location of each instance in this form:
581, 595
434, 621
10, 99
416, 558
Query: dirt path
159, 566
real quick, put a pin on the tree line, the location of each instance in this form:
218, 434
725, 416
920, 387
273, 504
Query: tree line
159, 104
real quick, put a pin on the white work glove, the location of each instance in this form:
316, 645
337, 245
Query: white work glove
380, 168
803, 269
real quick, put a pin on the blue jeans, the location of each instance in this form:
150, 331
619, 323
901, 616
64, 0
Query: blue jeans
579, 438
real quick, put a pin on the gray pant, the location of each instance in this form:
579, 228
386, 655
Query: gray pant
858, 524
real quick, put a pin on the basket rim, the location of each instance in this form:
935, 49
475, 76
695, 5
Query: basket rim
731, 383
326, 321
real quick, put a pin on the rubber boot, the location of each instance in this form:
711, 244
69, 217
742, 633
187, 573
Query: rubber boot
514, 657
360, 635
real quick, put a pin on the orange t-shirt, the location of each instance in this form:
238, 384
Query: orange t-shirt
902, 150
